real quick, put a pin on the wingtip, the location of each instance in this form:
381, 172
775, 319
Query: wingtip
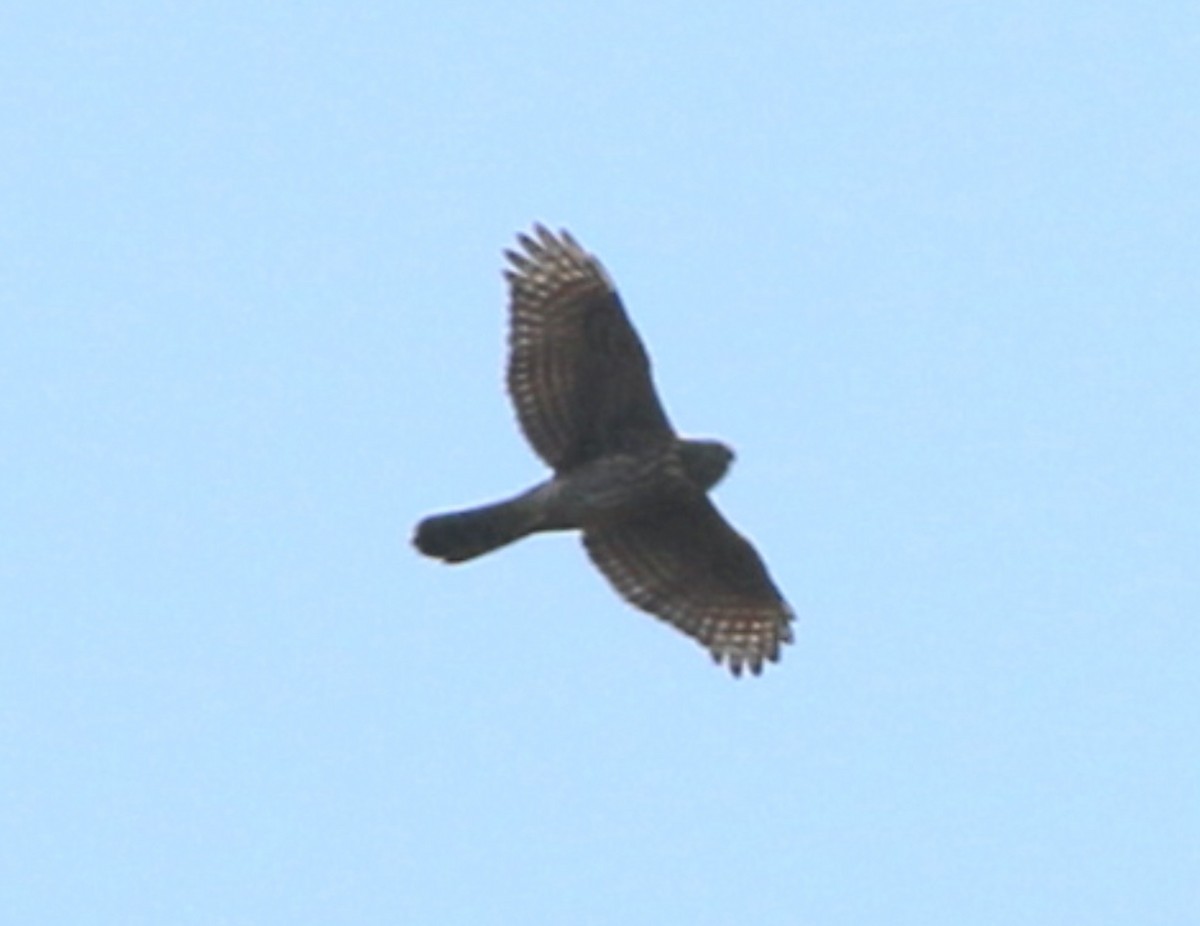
517, 259
530, 246
541, 236
740, 662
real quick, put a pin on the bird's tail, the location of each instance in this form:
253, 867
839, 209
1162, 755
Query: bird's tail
463, 535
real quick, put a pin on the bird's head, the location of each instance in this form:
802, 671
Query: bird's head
705, 461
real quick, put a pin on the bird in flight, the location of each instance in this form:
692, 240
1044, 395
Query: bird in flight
579, 378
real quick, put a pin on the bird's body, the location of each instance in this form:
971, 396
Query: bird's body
588, 495
580, 380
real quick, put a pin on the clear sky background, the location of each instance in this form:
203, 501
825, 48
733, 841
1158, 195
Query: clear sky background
932, 268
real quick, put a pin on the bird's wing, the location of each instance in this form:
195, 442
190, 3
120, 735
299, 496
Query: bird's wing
679, 559
577, 371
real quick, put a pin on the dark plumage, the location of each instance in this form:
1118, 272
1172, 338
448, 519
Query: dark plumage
580, 380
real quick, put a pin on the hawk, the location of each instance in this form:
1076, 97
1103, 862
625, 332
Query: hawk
580, 380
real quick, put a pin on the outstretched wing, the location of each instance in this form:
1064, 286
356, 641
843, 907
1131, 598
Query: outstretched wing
679, 559
577, 371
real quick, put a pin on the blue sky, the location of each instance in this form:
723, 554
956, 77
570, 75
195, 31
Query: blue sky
930, 267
